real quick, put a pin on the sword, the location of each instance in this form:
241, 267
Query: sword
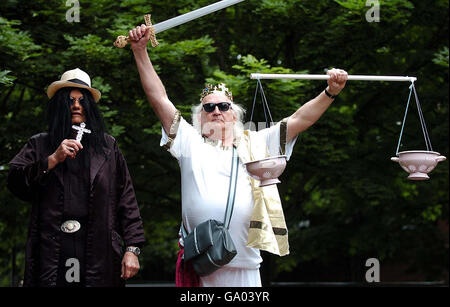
122, 40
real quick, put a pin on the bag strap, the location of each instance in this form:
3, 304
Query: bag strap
232, 188
231, 193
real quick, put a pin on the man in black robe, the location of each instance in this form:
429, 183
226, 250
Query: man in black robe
85, 227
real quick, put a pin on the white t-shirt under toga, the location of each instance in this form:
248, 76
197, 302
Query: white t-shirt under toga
205, 177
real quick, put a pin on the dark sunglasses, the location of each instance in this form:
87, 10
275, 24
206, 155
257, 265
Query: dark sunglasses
210, 107
72, 100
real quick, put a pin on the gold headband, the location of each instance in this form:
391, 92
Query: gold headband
220, 88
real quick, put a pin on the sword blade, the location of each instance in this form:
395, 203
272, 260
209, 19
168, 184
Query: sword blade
176, 21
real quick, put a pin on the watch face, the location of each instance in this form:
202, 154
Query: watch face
134, 250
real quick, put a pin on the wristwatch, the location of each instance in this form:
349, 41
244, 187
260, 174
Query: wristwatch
329, 95
134, 250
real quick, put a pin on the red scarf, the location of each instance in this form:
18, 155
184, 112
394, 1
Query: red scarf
185, 275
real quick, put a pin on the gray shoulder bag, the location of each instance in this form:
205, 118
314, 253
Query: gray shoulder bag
209, 246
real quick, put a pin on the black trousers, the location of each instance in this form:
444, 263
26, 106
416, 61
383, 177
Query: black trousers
71, 269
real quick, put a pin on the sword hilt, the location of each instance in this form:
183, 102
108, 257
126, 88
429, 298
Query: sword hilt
148, 23
122, 40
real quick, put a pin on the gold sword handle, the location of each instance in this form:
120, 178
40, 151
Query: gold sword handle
122, 40
148, 23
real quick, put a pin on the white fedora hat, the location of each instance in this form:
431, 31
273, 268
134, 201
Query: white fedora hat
73, 78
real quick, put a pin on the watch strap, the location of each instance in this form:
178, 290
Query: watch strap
329, 95
134, 250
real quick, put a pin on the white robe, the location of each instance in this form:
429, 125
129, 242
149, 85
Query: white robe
205, 176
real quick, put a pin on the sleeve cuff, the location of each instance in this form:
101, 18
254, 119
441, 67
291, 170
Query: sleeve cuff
43, 171
44, 166
168, 140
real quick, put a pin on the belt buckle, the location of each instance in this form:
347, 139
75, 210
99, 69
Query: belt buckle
70, 226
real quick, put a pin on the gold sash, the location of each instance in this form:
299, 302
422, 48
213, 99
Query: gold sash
268, 229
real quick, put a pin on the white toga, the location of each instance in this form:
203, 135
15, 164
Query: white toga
205, 176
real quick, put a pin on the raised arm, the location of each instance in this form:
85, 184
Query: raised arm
153, 87
311, 111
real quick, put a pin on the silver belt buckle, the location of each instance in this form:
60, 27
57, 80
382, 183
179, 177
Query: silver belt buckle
70, 226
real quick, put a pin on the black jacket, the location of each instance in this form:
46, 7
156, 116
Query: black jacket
113, 218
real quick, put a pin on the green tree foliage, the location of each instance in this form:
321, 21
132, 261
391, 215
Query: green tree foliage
344, 200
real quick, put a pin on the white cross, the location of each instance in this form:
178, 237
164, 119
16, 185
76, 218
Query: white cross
81, 130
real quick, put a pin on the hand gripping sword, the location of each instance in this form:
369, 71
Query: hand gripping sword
122, 40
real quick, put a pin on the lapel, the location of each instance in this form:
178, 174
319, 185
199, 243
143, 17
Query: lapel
97, 161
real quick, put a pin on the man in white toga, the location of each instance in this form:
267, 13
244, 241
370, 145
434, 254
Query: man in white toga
203, 151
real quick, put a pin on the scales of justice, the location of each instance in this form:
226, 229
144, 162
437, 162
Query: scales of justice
418, 163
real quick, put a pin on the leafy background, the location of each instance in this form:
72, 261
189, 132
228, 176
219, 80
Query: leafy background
344, 200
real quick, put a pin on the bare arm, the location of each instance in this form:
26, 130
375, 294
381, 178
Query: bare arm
311, 111
152, 85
